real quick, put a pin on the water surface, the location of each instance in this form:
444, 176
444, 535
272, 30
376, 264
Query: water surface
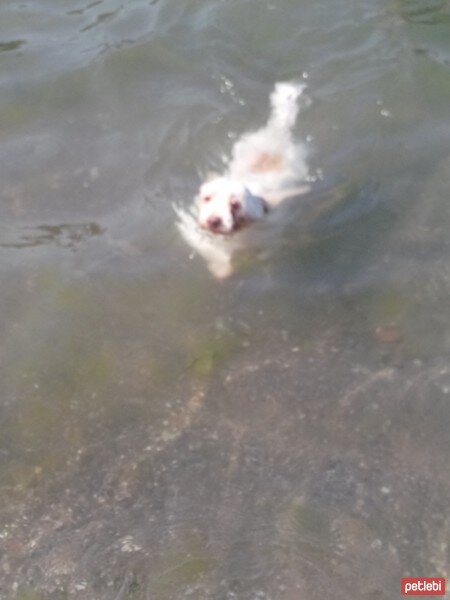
280, 435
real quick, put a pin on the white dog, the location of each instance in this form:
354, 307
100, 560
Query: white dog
265, 168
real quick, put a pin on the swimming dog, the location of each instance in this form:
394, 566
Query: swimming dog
266, 167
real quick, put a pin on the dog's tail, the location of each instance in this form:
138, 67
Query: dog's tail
284, 102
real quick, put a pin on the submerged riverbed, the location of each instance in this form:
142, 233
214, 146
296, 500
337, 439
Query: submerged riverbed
282, 434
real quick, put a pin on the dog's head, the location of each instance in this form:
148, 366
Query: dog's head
225, 206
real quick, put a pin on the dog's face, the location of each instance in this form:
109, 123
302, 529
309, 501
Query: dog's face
225, 206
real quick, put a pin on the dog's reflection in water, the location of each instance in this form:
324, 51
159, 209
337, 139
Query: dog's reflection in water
266, 167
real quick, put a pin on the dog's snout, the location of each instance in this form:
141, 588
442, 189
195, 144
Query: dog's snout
214, 223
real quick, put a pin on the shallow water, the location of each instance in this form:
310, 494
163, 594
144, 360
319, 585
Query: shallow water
279, 435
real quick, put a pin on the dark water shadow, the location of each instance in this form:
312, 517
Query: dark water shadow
66, 235
13, 45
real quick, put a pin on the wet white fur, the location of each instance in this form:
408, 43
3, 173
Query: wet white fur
256, 190
276, 138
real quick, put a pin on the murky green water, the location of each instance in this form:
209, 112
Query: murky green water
280, 435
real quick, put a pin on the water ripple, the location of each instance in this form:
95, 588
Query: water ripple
13, 45
66, 235
430, 12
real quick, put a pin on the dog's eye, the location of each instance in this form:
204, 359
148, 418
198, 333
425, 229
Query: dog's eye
206, 198
234, 203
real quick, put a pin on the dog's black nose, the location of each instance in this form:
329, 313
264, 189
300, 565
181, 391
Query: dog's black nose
214, 223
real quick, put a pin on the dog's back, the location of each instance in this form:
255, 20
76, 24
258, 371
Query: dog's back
269, 159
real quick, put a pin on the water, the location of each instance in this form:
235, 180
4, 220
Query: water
283, 434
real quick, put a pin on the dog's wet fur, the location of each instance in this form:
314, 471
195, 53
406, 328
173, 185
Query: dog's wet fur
266, 167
